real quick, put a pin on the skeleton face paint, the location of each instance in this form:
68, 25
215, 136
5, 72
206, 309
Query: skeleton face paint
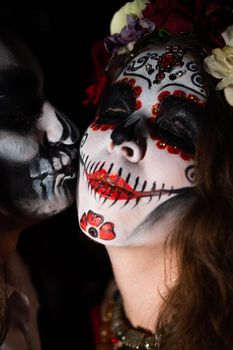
137, 157
38, 144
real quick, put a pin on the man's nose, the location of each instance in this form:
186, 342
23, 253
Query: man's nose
58, 129
70, 135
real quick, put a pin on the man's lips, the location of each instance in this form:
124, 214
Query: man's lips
115, 187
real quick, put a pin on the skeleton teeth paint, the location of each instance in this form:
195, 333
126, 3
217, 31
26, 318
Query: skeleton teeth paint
137, 158
41, 176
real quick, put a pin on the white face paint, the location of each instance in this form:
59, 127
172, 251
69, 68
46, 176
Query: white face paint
137, 157
17, 148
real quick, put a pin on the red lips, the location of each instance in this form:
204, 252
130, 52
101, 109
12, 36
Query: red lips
111, 186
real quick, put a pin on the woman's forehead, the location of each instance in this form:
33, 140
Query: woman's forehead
166, 68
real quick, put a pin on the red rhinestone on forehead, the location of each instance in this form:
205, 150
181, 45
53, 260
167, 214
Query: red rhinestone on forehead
167, 62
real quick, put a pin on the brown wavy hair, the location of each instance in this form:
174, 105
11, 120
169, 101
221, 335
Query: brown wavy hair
198, 311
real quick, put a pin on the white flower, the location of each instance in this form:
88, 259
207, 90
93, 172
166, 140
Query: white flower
220, 65
119, 19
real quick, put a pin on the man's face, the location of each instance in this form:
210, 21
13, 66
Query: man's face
38, 144
137, 157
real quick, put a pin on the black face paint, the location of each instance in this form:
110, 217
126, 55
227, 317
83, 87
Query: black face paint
132, 128
178, 123
117, 103
20, 100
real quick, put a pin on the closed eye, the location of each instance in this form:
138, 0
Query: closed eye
117, 103
178, 123
180, 140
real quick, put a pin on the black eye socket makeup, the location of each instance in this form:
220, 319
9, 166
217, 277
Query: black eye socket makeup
117, 103
20, 101
178, 123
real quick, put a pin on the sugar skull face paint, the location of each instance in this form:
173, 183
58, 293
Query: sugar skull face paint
137, 157
38, 144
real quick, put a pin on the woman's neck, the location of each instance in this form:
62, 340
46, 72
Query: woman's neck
143, 275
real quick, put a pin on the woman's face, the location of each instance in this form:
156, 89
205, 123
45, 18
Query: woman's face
137, 157
38, 144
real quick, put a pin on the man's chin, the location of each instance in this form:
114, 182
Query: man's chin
37, 210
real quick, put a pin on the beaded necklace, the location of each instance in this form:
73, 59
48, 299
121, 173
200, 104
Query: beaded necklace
118, 334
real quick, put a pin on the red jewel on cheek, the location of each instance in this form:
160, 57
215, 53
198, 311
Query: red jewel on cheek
138, 104
131, 82
163, 95
137, 90
171, 149
155, 109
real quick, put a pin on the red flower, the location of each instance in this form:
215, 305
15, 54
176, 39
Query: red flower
95, 91
207, 19
83, 222
170, 15
100, 59
94, 219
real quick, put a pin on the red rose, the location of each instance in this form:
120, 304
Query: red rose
100, 59
205, 18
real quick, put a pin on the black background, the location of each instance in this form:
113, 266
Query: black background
69, 271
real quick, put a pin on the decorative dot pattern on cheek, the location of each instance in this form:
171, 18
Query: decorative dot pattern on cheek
171, 149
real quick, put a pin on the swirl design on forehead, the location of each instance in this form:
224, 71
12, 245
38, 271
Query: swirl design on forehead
135, 65
196, 77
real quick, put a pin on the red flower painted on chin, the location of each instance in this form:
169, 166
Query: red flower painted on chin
94, 219
107, 231
83, 222
91, 222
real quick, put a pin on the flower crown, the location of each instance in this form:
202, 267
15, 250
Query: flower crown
210, 21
